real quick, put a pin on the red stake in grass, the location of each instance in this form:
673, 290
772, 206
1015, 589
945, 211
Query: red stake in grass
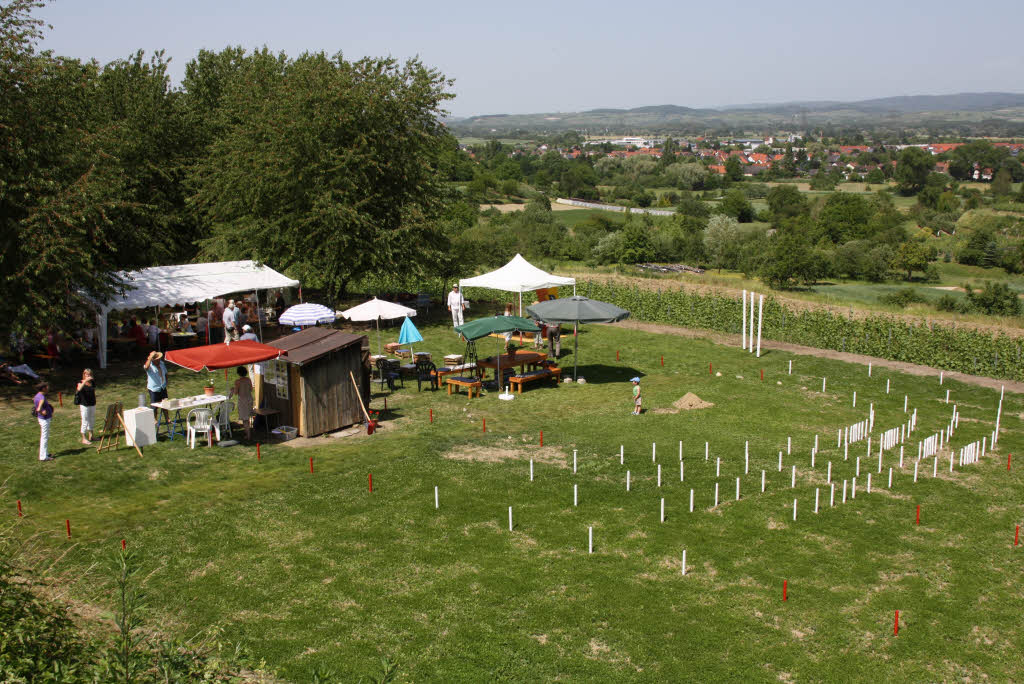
710, 371
485, 425
385, 404
542, 438
310, 464
918, 515
123, 545
60, 399
662, 360
762, 375
67, 523
896, 625
1016, 536
616, 354
785, 590
431, 415
370, 476
19, 508
1008, 457
257, 451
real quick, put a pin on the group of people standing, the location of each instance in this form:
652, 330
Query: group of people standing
42, 410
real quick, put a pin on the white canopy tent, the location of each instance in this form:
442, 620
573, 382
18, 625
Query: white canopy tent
518, 275
180, 285
374, 310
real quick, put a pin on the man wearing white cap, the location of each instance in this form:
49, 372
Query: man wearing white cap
456, 304
228, 318
248, 334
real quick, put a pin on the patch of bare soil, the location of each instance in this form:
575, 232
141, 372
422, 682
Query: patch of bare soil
481, 454
687, 402
909, 368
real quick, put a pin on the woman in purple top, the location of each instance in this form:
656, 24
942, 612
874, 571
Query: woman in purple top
43, 412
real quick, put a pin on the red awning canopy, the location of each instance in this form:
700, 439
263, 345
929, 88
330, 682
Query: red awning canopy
215, 356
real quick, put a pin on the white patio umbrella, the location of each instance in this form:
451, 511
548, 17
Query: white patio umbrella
307, 314
375, 310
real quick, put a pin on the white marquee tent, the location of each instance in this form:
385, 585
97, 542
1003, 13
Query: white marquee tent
180, 285
518, 275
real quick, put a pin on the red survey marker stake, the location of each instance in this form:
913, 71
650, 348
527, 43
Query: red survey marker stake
431, 415
311, 464
1008, 457
124, 545
542, 438
370, 477
485, 424
616, 354
257, 451
1016, 536
896, 625
918, 515
19, 508
67, 524
785, 590
662, 360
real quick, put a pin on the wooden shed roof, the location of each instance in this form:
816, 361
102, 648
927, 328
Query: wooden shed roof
312, 343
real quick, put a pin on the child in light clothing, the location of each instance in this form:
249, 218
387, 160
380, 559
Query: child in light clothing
637, 400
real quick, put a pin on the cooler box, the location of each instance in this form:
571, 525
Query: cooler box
140, 427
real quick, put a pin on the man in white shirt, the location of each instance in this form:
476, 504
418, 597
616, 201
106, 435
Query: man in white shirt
230, 331
456, 304
152, 333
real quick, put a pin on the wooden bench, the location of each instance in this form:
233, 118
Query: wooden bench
518, 381
469, 383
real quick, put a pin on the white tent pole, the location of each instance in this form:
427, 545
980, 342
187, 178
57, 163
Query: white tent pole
380, 341
520, 304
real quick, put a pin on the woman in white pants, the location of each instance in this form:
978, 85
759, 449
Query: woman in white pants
85, 397
43, 412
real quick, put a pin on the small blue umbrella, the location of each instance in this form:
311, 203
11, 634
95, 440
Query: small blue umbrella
409, 334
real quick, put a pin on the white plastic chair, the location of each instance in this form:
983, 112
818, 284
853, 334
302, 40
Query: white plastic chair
200, 421
224, 418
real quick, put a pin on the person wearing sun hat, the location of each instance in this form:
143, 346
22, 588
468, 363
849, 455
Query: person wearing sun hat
248, 334
636, 395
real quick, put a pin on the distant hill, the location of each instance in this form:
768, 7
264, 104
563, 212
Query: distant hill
992, 109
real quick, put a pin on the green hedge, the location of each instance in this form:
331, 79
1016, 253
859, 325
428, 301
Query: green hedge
940, 346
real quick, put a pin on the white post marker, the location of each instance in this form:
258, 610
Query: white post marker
680, 450
854, 398
751, 337
681, 469
762, 482
887, 386
705, 451
575, 495
746, 467
794, 509
853, 488
622, 457
901, 458
716, 496
839, 438
947, 396
858, 466
663, 509
659, 474
823, 384
832, 499
793, 480
718, 466
816, 493
780, 461
828, 478
737, 489
760, 316
627, 480
935, 467
890, 479
869, 483
684, 562
940, 377
904, 403
791, 366
437, 502
815, 442
654, 451
915, 470
590, 540
743, 328
509, 518
813, 454
844, 491
573, 461
691, 501
531, 470
869, 369
789, 445
879, 459
846, 452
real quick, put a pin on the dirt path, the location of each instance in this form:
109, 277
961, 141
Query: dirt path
911, 368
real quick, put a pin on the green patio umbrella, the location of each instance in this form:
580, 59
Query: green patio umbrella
576, 310
482, 327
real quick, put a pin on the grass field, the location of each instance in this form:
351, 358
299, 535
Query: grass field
313, 570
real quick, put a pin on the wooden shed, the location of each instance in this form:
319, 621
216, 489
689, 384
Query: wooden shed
312, 386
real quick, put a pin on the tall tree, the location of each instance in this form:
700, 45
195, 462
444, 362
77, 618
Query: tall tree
327, 168
912, 170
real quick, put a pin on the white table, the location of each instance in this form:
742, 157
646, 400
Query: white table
184, 404
140, 428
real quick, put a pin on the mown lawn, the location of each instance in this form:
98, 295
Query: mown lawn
313, 570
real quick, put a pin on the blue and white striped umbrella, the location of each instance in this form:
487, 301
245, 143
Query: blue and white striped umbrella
307, 314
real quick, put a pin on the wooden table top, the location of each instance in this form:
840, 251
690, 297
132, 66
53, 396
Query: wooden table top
520, 358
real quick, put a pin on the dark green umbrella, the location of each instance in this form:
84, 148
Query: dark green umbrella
482, 327
576, 310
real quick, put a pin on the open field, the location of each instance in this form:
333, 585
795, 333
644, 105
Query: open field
312, 569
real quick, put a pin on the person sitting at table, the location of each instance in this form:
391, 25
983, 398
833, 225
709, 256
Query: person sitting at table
248, 334
185, 325
243, 390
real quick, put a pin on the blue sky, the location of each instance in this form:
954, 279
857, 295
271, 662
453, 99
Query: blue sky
555, 56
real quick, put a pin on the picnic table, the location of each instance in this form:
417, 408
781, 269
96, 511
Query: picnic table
520, 358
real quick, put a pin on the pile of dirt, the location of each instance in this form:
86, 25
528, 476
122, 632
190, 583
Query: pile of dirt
688, 402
